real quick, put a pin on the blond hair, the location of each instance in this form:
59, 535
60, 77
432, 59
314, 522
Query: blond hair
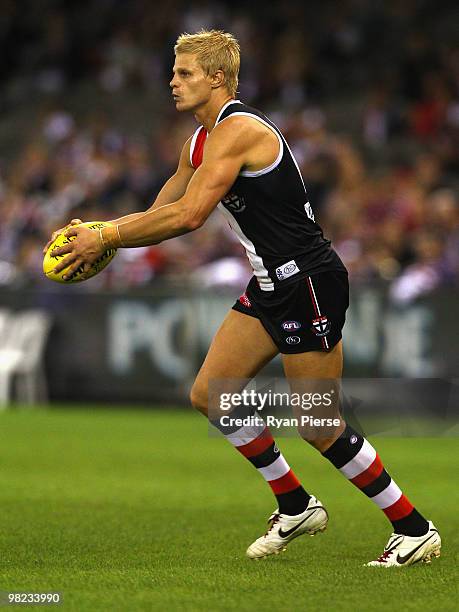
215, 50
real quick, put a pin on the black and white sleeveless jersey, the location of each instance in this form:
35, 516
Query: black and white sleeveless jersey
270, 212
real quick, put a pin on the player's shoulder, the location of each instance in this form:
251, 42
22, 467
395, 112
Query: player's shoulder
234, 134
241, 121
244, 117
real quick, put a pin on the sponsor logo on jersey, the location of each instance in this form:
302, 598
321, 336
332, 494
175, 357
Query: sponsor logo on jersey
321, 326
234, 202
290, 325
286, 270
353, 439
308, 209
245, 300
293, 340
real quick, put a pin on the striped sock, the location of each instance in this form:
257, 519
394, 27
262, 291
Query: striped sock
354, 456
256, 444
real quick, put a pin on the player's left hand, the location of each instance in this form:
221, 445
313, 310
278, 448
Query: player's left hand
83, 250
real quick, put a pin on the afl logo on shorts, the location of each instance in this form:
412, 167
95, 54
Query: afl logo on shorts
321, 326
293, 340
290, 325
234, 202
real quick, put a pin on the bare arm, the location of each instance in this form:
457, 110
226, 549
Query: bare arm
172, 190
228, 148
234, 144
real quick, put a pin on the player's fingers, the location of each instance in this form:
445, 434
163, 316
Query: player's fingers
72, 269
63, 250
54, 235
64, 263
73, 231
46, 247
86, 269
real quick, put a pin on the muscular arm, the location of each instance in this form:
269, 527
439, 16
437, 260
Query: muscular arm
229, 147
234, 144
172, 190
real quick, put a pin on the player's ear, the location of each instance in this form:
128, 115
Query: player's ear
217, 79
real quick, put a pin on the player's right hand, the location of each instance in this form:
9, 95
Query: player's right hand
55, 234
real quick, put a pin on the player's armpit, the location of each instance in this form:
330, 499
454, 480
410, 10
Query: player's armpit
175, 187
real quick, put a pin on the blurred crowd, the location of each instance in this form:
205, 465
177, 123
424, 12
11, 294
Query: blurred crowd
366, 93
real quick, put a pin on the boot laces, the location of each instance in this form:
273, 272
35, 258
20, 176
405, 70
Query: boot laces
273, 520
386, 554
389, 549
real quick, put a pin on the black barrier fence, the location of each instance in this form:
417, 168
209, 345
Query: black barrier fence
147, 346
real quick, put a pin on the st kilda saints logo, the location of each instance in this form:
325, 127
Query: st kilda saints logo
321, 326
234, 202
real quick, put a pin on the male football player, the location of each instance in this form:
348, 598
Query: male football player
295, 304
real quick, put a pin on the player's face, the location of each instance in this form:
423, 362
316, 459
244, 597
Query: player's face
191, 87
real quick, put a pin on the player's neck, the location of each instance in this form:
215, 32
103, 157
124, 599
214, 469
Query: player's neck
207, 115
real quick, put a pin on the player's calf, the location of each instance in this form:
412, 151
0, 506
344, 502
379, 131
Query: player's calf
359, 462
254, 441
413, 538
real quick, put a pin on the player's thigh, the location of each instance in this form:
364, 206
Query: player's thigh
314, 364
240, 348
315, 378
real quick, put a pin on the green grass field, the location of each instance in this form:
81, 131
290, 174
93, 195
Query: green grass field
141, 510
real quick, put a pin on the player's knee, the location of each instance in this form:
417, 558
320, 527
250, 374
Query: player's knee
321, 444
199, 397
309, 436
322, 438
317, 441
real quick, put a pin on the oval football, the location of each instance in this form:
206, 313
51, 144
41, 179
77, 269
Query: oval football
50, 261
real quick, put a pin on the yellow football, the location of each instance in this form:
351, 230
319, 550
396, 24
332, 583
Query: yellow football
50, 261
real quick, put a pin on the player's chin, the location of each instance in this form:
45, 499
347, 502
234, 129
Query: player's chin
180, 107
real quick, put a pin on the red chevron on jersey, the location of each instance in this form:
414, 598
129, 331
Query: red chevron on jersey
197, 147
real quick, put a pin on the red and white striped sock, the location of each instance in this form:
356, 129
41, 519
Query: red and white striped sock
359, 462
256, 444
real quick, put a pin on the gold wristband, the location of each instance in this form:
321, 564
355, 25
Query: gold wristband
102, 242
119, 236
110, 237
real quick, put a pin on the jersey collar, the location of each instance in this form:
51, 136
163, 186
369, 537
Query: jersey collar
224, 107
